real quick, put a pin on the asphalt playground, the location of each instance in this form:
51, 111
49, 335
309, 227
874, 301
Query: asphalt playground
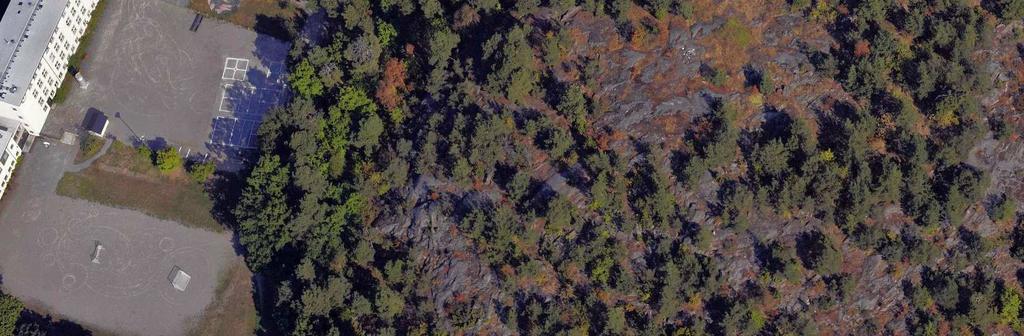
46, 255
204, 91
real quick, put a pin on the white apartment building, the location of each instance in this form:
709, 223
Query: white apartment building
36, 39
12, 138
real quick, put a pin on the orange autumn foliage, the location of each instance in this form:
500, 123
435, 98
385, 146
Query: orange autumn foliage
392, 84
862, 48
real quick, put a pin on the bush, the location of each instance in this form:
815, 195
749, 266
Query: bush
168, 159
201, 171
145, 152
89, 147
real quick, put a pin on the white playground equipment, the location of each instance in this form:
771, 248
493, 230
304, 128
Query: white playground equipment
179, 279
96, 250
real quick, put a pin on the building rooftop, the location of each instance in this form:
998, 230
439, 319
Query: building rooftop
8, 129
96, 122
25, 30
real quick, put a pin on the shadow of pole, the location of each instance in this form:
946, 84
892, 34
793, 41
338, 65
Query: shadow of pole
135, 135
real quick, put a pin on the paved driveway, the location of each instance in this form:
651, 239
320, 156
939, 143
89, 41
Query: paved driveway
46, 242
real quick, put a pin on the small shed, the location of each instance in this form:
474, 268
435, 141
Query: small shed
96, 123
179, 279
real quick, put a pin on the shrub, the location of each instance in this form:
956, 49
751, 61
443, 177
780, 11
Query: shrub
89, 146
766, 85
145, 153
719, 77
1003, 209
799, 5
167, 159
201, 171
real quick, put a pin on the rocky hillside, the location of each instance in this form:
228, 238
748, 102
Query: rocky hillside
654, 167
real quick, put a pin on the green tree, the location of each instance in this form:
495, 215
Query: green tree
1009, 9
442, 42
363, 55
617, 320
559, 216
1004, 209
305, 80
819, 253
737, 203
743, 319
10, 311
389, 303
1009, 311
515, 70
386, 32
573, 106
263, 212
369, 133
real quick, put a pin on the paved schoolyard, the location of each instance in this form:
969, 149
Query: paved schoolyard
47, 242
168, 82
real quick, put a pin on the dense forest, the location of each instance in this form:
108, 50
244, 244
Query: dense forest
459, 167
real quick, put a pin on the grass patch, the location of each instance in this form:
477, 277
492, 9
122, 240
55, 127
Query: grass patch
232, 311
123, 178
736, 32
75, 60
248, 10
88, 147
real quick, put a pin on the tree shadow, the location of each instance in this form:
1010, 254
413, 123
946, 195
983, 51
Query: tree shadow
278, 27
51, 326
809, 246
249, 94
751, 77
225, 189
156, 144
